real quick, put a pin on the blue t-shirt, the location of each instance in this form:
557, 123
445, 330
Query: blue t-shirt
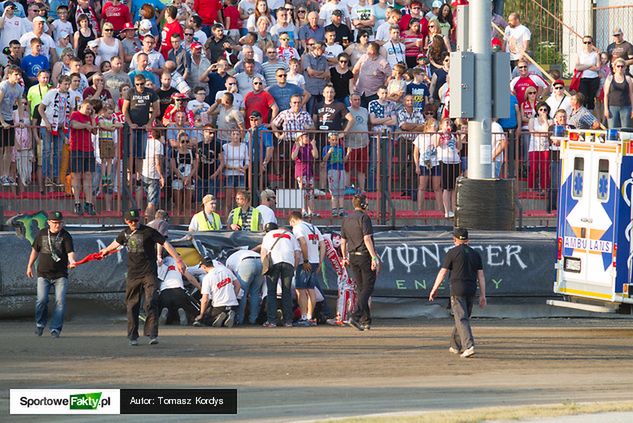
419, 92
282, 95
510, 122
147, 74
31, 65
337, 158
265, 137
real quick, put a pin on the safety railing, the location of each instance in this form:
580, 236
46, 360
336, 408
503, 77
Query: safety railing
405, 175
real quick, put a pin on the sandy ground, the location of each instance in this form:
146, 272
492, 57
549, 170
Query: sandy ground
298, 374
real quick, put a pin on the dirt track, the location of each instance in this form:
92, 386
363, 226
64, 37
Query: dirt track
303, 373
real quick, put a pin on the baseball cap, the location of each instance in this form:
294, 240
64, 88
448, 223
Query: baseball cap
56, 215
617, 31
460, 233
63, 34
128, 25
337, 12
333, 135
195, 45
267, 194
207, 260
39, 19
179, 96
133, 214
255, 113
145, 27
558, 82
9, 4
436, 4
207, 199
421, 56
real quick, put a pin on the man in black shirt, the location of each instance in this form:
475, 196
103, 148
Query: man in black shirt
165, 92
210, 163
357, 248
54, 247
466, 269
142, 273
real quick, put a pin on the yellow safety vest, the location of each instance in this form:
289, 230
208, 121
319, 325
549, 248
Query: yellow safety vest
237, 218
205, 225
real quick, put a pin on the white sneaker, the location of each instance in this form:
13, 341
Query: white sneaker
450, 214
453, 350
183, 317
469, 352
163, 316
318, 192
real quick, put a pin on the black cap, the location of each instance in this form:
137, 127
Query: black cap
337, 12
56, 215
460, 233
270, 226
207, 260
133, 214
9, 4
255, 113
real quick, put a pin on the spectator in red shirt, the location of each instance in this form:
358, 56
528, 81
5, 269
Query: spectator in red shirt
209, 11
525, 80
261, 101
82, 157
172, 26
116, 13
415, 11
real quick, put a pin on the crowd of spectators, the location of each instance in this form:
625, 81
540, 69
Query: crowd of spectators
215, 98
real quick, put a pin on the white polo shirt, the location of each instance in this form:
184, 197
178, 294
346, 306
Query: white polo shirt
284, 250
313, 238
218, 285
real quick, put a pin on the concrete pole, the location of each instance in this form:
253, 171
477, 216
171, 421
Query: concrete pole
479, 137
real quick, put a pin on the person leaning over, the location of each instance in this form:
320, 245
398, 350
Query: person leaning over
206, 219
284, 251
244, 217
220, 288
358, 251
466, 269
142, 273
54, 248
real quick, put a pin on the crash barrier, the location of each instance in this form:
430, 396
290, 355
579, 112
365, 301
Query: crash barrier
517, 264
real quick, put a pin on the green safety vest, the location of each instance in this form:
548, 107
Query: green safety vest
237, 218
205, 225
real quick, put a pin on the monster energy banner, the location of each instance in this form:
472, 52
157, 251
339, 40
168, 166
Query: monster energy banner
516, 264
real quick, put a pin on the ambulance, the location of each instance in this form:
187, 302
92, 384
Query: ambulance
594, 248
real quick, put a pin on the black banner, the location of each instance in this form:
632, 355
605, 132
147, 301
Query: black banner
515, 263
178, 401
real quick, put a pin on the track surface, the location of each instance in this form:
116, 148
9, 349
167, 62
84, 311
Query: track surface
292, 374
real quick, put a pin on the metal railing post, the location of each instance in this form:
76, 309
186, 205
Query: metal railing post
383, 164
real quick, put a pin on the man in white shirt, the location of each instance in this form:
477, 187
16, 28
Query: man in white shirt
11, 27
48, 45
284, 251
220, 286
173, 299
312, 248
267, 206
517, 38
152, 173
383, 31
247, 267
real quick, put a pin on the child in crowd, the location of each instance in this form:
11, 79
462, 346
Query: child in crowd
23, 149
304, 152
198, 107
108, 144
334, 156
293, 75
61, 24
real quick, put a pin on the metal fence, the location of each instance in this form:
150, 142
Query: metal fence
399, 171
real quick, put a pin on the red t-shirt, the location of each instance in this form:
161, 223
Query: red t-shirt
207, 10
168, 29
233, 13
80, 139
424, 25
118, 16
261, 102
523, 83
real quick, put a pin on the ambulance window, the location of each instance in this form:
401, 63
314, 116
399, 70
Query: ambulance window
603, 180
578, 177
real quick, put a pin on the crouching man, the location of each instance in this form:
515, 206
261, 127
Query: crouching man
220, 286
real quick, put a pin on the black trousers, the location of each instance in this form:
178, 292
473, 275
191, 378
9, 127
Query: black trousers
365, 279
147, 286
589, 88
173, 299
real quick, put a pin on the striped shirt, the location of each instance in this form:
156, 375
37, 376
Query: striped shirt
288, 120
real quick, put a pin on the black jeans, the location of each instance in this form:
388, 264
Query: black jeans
284, 271
589, 88
173, 299
148, 287
365, 279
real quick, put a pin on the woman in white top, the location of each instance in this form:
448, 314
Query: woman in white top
588, 62
107, 45
448, 147
261, 9
236, 165
427, 164
538, 151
